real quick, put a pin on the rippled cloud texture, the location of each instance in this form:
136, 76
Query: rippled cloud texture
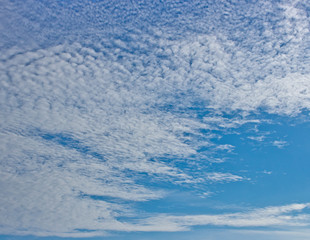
105, 106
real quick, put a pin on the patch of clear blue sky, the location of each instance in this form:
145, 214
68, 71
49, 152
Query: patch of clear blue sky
288, 167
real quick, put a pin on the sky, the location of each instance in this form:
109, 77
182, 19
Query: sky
154, 120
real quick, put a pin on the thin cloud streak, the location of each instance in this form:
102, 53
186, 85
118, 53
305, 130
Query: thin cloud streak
280, 216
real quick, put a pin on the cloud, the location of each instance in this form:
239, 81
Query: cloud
267, 172
281, 216
86, 125
77, 132
279, 144
84, 113
225, 177
258, 138
100, 114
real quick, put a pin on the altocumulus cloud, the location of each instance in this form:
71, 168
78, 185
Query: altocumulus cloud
85, 123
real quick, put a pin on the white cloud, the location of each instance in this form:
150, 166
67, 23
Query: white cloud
75, 126
227, 147
267, 172
223, 177
282, 216
279, 144
258, 138
111, 111
89, 120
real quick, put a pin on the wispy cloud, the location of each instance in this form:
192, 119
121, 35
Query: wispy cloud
223, 177
258, 138
280, 144
269, 216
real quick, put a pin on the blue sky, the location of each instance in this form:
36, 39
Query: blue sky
154, 120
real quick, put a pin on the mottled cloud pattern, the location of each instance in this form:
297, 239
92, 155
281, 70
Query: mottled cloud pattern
89, 127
